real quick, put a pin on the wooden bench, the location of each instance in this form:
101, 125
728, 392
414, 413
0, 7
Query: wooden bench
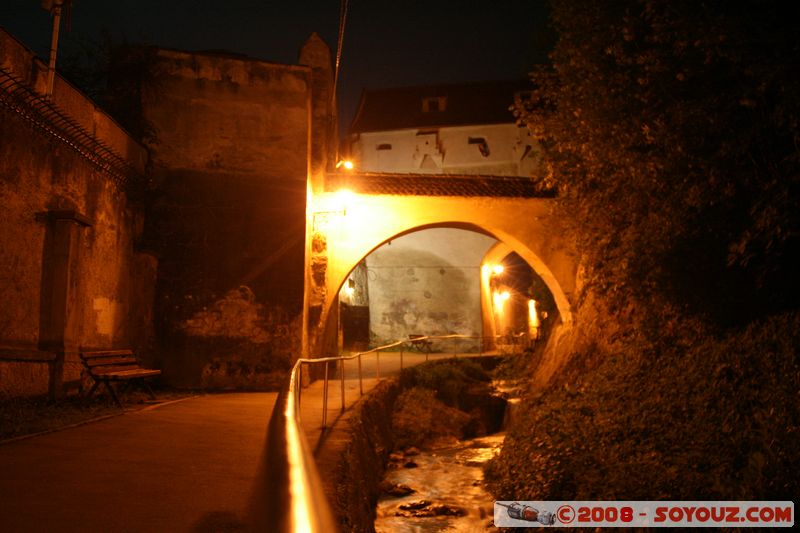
108, 366
420, 343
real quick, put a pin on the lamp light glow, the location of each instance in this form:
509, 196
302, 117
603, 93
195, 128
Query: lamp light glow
350, 288
499, 299
533, 316
342, 199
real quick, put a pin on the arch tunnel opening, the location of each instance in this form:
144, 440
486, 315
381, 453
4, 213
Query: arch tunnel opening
519, 309
432, 281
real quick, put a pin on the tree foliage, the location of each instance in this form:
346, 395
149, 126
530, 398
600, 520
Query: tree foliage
717, 420
671, 132
115, 74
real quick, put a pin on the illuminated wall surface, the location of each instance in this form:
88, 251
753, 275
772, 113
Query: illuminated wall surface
490, 149
351, 231
205, 271
463, 129
427, 283
69, 273
445, 129
231, 165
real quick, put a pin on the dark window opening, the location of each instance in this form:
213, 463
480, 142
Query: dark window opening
432, 104
483, 146
384, 146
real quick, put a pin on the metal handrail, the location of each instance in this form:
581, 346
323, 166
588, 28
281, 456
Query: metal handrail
297, 502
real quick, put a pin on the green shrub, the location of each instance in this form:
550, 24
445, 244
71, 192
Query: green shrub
418, 417
449, 379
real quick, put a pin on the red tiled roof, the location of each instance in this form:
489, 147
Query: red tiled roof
439, 185
466, 104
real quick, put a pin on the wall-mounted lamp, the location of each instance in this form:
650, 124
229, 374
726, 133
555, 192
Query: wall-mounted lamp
494, 270
322, 219
344, 164
337, 206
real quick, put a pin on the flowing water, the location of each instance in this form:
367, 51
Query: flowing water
450, 477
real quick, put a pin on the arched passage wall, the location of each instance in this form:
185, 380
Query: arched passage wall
493, 256
343, 229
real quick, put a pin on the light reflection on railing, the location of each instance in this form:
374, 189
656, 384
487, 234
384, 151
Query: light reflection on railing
297, 502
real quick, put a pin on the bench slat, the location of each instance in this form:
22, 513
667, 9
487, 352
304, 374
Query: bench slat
103, 370
105, 353
94, 363
131, 374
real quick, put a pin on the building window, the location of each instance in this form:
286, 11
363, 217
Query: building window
432, 104
384, 146
483, 146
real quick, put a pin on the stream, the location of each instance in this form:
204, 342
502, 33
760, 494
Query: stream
448, 484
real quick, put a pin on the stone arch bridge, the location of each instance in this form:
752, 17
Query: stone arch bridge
351, 214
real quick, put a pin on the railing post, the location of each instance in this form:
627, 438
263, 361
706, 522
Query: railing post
377, 364
401, 356
299, 387
342, 363
325, 398
360, 381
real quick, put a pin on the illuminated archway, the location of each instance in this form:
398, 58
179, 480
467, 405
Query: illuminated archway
425, 282
527, 318
345, 228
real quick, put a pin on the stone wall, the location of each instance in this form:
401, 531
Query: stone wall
426, 283
351, 463
528, 226
67, 233
227, 216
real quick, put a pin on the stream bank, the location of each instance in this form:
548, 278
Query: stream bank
446, 423
443, 418
447, 484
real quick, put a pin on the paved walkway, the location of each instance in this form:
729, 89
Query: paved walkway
183, 466
188, 465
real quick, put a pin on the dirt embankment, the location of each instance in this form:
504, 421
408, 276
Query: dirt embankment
352, 461
451, 399
688, 414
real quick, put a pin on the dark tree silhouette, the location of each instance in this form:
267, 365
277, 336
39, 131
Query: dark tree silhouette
671, 129
114, 73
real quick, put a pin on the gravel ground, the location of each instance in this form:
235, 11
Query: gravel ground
20, 417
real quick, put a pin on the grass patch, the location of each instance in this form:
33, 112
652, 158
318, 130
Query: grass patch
449, 398
450, 379
419, 418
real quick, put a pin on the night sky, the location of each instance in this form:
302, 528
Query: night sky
387, 43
